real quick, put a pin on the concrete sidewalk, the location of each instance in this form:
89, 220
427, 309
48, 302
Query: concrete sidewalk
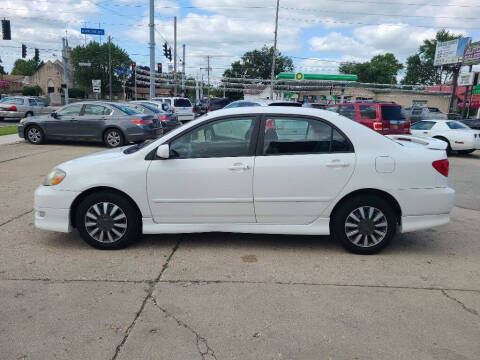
10, 139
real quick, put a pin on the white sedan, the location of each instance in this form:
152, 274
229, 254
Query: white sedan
458, 136
282, 170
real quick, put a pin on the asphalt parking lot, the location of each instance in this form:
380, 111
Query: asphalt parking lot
233, 296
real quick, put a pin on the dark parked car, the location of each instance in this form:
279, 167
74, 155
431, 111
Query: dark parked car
314, 105
110, 123
473, 123
210, 104
168, 119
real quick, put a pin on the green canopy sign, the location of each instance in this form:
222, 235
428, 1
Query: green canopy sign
325, 77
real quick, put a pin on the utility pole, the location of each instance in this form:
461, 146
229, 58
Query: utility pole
135, 74
110, 66
65, 70
174, 54
183, 70
208, 74
452, 103
151, 25
274, 51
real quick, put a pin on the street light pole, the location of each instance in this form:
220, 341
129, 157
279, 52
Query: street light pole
175, 54
110, 65
274, 51
151, 25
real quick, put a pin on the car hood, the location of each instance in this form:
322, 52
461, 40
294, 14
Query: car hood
93, 159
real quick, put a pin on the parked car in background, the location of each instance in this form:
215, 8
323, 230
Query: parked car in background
418, 113
261, 102
181, 106
315, 105
216, 103
322, 174
472, 123
18, 107
110, 123
168, 119
459, 137
383, 117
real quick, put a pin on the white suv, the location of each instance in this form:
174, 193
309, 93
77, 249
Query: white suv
181, 106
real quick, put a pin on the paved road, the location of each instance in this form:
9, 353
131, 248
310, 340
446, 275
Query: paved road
233, 296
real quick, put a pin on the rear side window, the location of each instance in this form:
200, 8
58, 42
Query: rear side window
301, 136
347, 111
126, 110
392, 113
182, 103
455, 125
423, 125
14, 101
96, 110
368, 111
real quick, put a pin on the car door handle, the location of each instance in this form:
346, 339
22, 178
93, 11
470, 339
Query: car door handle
425, 132
239, 167
337, 164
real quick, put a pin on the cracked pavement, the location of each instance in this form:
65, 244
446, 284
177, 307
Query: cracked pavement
233, 296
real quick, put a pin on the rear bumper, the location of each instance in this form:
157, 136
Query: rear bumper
11, 114
421, 202
414, 223
185, 117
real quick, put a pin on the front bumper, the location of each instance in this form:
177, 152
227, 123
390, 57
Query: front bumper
52, 208
11, 114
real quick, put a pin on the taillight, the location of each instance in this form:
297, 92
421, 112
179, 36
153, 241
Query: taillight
441, 166
407, 127
13, 108
141, 121
377, 126
209, 109
162, 118
193, 110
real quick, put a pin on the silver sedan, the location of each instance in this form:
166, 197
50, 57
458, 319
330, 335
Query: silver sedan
18, 107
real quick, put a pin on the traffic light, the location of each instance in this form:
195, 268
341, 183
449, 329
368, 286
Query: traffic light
24, 51
165, 50
169, 57
37, 55
7, 34
134, 65
159, 67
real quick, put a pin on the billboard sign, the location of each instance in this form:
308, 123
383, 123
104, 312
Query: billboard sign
466, 79
472, 54
450, 52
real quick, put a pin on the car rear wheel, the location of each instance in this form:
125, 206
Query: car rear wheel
34, 135
107, 221
113, 138
364, 224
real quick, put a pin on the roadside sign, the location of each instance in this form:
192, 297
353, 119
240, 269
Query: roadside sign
450, 52
472, 54
97, 85
123, 71
465, 79
87, 64
90, 31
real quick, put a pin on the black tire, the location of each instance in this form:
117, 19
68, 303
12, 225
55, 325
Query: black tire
34, 135
465, 152
117, 234
342, 220
449, 148
113, 138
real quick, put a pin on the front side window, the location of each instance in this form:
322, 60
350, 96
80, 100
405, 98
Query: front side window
96, 110
70, 110
347, 111
423, 125
301, 136
222, 138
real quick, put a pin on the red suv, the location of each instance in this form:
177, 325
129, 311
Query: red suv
386, 118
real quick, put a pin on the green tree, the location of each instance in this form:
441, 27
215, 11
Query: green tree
258, 64
381, 69
32, 91
2, 70
25, 67
420, 69
97, 55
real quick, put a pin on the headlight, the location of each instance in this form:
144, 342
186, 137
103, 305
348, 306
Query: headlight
23, 121
54, 177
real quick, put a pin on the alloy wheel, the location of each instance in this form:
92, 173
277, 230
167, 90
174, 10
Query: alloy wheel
105, 222
113, 138
366, 226
34, 135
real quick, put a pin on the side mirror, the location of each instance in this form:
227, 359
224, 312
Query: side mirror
54, 114
163, 151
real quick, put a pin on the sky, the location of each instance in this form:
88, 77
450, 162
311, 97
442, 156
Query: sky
317, 34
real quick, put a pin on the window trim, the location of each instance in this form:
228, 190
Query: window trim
261, 135
251, 149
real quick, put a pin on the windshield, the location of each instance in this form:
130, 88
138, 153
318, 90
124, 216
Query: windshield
152, 108
12, 100
392, 113
126, 110
182, 103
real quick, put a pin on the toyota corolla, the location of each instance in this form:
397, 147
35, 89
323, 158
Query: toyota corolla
281, 170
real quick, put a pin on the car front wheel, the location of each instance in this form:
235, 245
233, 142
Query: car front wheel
108, 221
364, 224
